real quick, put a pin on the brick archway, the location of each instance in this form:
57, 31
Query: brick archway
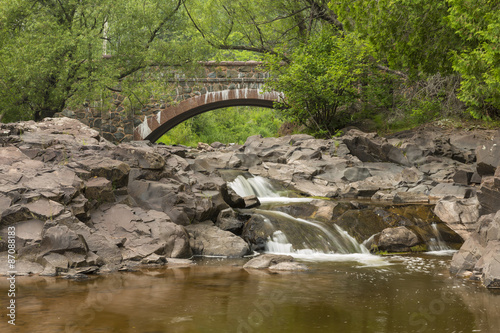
154, 126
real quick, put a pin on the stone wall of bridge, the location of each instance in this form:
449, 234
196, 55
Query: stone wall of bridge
116, 120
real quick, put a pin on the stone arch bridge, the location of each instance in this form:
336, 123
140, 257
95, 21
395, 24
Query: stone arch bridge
216, 85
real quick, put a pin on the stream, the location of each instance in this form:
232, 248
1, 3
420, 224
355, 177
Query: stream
346, 289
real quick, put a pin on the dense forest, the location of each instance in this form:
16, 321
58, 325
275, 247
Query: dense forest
386, 63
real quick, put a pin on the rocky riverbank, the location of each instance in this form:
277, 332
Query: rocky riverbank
82, 205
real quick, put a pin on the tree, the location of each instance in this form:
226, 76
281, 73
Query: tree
259, 26
478, 23
322, 80
409, 36
51, 51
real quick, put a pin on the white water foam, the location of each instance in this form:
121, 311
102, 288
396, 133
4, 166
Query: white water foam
262, 189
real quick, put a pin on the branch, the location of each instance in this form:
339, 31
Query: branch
162, 23
326, 14
392, 71
285, 17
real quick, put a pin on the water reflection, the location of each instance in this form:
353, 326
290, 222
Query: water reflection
412, 294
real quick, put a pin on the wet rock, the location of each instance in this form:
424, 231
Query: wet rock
229, 220
411, 197
210, 240
267, 260
251, 201
460, 215
399, 239
257, 231
462, 177
231, 197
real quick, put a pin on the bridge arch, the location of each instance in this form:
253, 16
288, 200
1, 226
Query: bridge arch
155, 125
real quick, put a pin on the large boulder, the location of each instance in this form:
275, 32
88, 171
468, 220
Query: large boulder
141, 233
209, 240
460, 215
479, 257
399, 239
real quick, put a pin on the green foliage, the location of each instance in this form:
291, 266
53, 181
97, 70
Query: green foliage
478, 23
322, 80
228, 125
409, 35
51, 52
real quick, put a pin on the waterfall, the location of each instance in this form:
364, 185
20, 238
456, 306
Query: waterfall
307, 239
261, 188
296, 235
437, 243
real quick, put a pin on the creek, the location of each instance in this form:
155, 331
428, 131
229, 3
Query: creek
346, 289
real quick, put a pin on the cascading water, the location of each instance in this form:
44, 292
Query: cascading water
293, 235
437, 243
261, 188
296, 235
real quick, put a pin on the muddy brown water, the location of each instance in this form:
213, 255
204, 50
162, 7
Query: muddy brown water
338, 294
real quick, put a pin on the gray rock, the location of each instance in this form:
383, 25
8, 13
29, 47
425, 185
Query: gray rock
446, 189
399, 239
100, 189
356, 174
488, 157
489, 195
154, 259
60, 239
479, 255
23, 267
460, 215
251, 201
55, 261
115, 171
138, 154
228, 220
210, 240
45, 209
231, 197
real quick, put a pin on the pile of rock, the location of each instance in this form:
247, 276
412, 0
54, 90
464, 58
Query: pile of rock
81, 204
